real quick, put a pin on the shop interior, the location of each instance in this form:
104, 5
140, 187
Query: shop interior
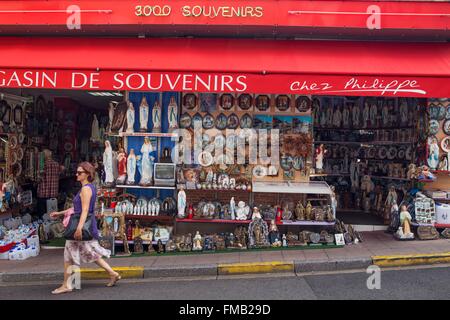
343, 160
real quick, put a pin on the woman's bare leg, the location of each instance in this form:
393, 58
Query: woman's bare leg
114, 275
66, 286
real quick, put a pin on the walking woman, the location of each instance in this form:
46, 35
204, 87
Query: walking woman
77, 251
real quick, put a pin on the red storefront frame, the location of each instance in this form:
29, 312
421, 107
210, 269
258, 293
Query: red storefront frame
228, 65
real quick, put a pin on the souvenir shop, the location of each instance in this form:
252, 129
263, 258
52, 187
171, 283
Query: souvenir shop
359, 142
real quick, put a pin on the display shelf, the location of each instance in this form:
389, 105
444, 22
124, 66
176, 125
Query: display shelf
312, 187
150, 218
216, 221
361, 129
143, 242
145, 134
362, 143
441, 225
141, 187
416, 224
218, 190
369, 159
307, 223
390, 178
441, 171
329, 175
426, 181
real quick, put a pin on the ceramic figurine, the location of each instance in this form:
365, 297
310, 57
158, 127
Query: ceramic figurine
143, 114
95, 131
300, 211
333, 201
233, 209
258, 232
146, 167
346, 117
130, 118
131, 168
256, 214
412, 171
404, 231
122, 166
391, 200
356, 114
274, 235
433, 153
197, 242
172, 114
308, 211
366, 115
320, 151
373, 115
111, 110
181, 203
108, 164
284, 241
156, 117
242, 211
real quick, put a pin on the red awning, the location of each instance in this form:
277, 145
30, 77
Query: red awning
262, 66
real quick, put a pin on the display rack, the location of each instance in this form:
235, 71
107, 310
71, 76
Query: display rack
141, 187
145, 134
312, 187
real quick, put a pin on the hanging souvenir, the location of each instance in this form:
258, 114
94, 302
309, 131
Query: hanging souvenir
245, 101
205, 159
262, 102
446, 127
286, 162
260, 171
283, 103
434, 127
447, 113
382, 153
441, 112
303, 104
17, 169
392, 153
189, 101
6, 119
298, 163
197, 121
18, 119
185, 121
433, 153
208, 121
445, 144
221, 122
233, 121
401, 153
226, 101
246, 121
13, 142
20, 154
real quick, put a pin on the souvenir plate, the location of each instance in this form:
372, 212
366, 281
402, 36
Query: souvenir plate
205, 159
185, 121
401, 153
259, 171
221, 122
303, 104
286, 162
208, 121
441, 112
446, 127
409, 153
298, 163
21, 138
245, 101
434, 112
226, 101
197, 120
18, 169
434, 127
283, 102
13, 158
13, 142
262, 103
372, 153
20, 154
190, 101
246, 121
447, 113
445, 144
392, 153
233, 121
382, 153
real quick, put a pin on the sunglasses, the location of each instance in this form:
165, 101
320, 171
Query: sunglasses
80, 172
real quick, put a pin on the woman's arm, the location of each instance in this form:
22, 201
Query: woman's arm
86, 195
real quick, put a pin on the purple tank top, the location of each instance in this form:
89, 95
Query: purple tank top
77, 208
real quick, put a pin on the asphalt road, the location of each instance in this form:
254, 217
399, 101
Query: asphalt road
424, 283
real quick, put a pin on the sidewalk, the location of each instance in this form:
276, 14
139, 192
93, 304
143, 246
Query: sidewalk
49, 264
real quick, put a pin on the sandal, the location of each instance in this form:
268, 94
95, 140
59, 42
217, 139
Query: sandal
61, 290
113, 282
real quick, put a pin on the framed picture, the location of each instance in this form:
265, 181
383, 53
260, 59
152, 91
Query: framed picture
245, 101
263, 103
283, 103
339, 237
208, 102
190, 102
303, 104
227, 102
18, 115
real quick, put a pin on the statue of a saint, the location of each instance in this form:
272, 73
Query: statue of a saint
172, 114
337, 117
385, 115
146, 165
366, 115
143, 114
131, 167
95, 132
433, 153
111, 110
108, 164
233, 209
130, 118
346, 117
181, 203
356, 115
156, 117
373, 115
122, 166
320, 151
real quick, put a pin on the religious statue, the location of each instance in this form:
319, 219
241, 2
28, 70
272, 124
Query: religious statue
146, 163
111, 110
374, 115
122, 166
300, 211
308, 211
404, 231
356, 115
385, 115
143, 114
197, 242
130, 118
403, 112
433, 153
233, 209
366, 115
337, 117
274, 235
320, 151
95, 132
444, 163
172, 114
181, 203
333, 201
258, 232
391, 200
242, 211
329, 118
156, 117
346, 117
138, 245
108, 164
412, 172
131, 168
256, 214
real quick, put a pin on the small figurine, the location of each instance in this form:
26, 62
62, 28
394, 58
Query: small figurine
172, 114
320, 151
333, 201
308, 211
425, 174
122, 166
256, 214
156, 117
138, 245
404, 231
190, 212
131, 168
390, 201
433, 153
197, 242
181, 203
232, 208
412, 171
284, 241
146, 163
130, 118
108, 164
279, 215
300, 211
274, 235
143, 114
242, 211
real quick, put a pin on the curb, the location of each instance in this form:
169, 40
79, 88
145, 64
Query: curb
125, 273
180, 271
326, 265
412, 259
256, 267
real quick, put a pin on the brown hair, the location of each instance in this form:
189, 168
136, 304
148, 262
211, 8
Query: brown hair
89, 168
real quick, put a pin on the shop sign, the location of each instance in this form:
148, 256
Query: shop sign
196, 11
226, 82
